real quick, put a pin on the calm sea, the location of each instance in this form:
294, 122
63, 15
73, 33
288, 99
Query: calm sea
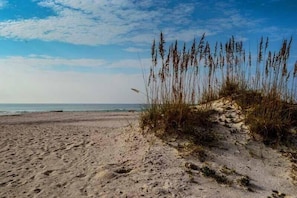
10, 109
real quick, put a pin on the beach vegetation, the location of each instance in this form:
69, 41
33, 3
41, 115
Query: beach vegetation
183, 76
208, 172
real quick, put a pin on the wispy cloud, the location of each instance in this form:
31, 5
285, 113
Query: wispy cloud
131, 63
3, 3
103, 22
135, 49
275, 33
41, 62
91, 22
45, 63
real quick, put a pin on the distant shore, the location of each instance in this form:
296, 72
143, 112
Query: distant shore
16, 109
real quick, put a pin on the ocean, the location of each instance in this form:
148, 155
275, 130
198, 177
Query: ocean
12, 109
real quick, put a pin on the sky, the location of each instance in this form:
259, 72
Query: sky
95, 51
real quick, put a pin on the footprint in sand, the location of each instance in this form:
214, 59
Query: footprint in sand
48, 172
82, 175
123, 170
105, 175
37, 190
109, 173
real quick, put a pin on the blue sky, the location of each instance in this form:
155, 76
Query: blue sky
91, 51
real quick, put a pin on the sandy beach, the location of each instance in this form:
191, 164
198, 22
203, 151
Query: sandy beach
95, 154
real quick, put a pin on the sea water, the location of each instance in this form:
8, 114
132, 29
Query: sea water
11, 109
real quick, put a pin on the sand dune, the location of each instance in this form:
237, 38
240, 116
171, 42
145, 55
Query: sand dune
92, 154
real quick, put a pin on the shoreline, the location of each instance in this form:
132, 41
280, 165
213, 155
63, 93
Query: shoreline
16, 109
67, 117
5, 113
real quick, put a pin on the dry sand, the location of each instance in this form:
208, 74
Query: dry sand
93, 154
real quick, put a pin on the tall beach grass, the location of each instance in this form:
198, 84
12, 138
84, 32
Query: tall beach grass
182, 76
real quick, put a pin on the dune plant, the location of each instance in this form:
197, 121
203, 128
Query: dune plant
273, 98
173, 87
181, 77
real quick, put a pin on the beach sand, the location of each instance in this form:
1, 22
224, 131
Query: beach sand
96, 154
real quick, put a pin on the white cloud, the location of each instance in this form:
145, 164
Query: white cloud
45, 63
78, 22
35, 61
241, 38
131, 63
186, 35
92, 22
135, 49
276, 33
3, 3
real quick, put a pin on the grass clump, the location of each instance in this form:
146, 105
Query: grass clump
173, 89
183, 77
208, 172
245, 181
267, 92
272, 119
